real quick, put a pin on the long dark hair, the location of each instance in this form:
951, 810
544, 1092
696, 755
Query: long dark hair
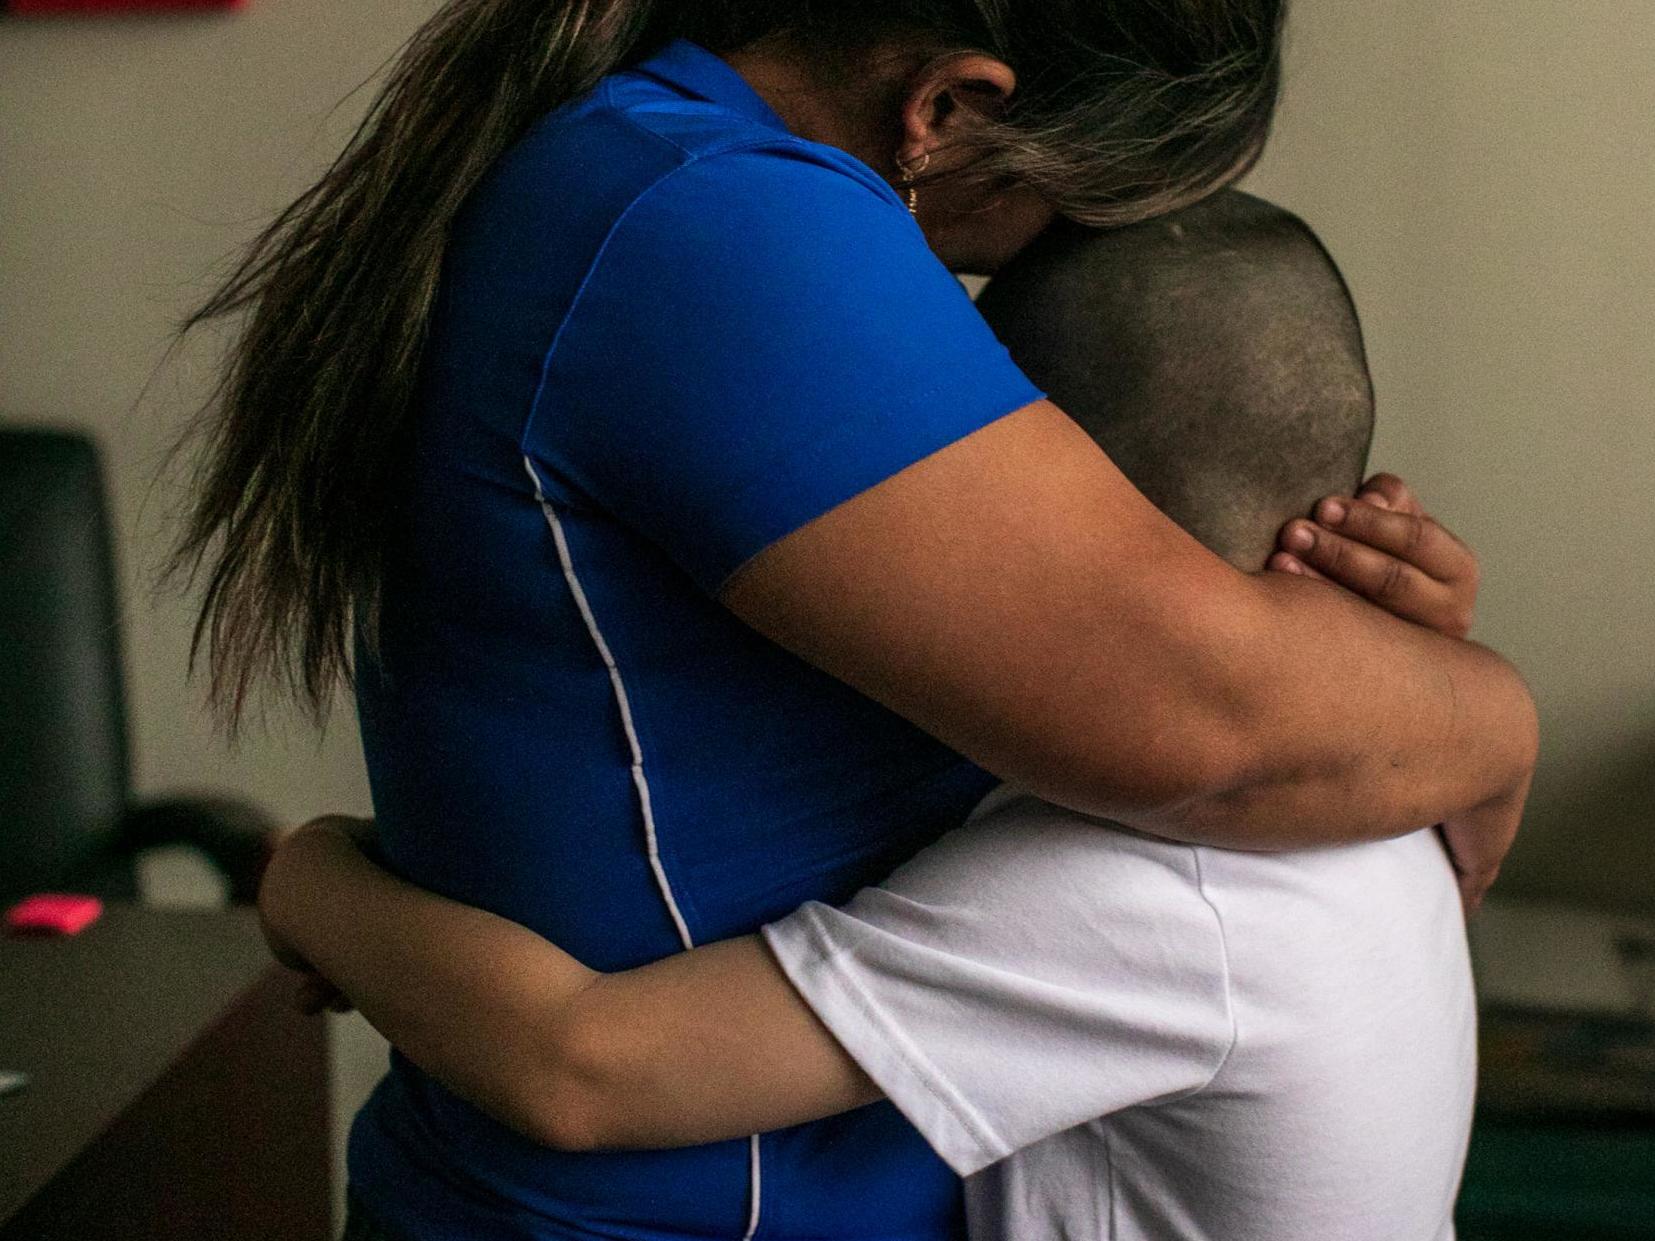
1124, 109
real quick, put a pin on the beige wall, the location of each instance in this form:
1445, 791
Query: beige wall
1486, 174
135, 155
1484, 171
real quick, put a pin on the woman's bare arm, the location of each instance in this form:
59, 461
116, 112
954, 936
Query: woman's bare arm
1018, 598
708, 1044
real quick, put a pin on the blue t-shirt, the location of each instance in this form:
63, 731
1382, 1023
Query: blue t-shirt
668, 333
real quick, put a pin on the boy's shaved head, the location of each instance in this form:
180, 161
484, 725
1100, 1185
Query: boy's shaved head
1215, 355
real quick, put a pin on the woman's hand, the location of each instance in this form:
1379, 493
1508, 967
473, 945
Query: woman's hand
1383, 545
1479, 840
291, 854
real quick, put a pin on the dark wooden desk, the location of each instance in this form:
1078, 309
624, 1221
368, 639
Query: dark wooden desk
175, 1092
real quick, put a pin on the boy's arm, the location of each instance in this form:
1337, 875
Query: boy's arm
990, 1019
701, 1046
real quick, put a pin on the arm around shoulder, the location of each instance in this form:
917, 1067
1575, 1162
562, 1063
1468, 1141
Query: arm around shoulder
1017, 597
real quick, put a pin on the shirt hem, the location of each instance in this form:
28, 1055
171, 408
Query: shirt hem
804, 948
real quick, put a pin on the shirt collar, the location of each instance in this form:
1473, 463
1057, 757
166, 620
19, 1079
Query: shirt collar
694, 70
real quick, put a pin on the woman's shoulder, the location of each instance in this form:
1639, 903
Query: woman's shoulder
776, 195
769, 183
618, 152
726, 131
780, 167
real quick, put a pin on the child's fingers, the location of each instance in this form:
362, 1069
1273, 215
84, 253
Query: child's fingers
1389, 491
1394, 584
1283, 562
1412, 538
1384, 546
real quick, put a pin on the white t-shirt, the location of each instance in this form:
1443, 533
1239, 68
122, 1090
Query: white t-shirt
1115, 1036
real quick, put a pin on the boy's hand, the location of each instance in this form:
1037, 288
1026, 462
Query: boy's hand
1384, 546
314, 993
272, 882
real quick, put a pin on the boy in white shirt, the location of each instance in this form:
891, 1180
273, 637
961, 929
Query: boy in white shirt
1115, 1035
1110, 1034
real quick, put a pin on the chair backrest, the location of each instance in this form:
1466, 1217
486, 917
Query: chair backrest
63, 742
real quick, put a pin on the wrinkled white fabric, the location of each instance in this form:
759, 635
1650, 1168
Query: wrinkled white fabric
1116, 1036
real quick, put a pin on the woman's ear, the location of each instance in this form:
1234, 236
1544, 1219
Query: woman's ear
951, 94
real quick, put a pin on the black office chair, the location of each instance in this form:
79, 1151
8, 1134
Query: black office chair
67, 818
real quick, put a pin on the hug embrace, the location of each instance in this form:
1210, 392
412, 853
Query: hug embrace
848, 761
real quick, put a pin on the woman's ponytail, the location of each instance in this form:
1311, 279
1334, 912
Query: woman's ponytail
305, 434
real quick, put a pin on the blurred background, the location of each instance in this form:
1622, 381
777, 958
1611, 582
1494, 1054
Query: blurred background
1484, 172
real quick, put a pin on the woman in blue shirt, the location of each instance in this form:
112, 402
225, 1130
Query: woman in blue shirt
611, 411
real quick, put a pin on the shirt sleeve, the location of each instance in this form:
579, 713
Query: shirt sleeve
1031, 971
763, 336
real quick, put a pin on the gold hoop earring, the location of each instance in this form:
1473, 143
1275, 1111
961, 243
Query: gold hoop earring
908, 175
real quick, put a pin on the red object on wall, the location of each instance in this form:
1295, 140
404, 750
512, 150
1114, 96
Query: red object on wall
111, 6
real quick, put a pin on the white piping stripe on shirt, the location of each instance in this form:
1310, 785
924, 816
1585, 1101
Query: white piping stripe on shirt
621, 701
755, 1179
640, 782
